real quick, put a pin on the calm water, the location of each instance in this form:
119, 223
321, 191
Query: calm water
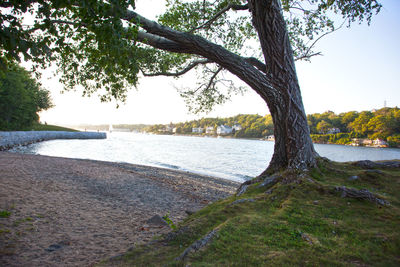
234, 159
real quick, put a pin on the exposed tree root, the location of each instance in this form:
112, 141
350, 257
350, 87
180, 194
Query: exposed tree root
197, 245
367, 164
360, 194
265, 181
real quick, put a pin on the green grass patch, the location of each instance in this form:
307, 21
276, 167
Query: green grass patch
5, 213
48, 127
300, 221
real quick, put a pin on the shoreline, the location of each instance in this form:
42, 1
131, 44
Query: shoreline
76, 212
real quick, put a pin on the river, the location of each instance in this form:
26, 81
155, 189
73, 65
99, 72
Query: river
233, 159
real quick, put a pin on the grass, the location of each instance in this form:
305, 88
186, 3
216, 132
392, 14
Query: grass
47, 127
296, 222
5, 213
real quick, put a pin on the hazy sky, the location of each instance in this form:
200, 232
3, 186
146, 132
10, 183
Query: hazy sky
359, 70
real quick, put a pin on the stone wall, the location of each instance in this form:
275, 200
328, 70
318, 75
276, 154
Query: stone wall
10, 139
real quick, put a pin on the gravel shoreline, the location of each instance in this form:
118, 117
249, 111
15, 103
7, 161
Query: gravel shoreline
75, 212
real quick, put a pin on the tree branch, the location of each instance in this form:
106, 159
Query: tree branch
257, 63
307, 55
213, 78
216, 16
178, 73
162, 43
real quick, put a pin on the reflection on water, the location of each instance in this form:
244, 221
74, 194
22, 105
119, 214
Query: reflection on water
234, 159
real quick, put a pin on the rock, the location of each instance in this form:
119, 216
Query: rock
315, 202
365, 164
353, 178
57, 246
53, 247
305, 237
189, 212
157, 220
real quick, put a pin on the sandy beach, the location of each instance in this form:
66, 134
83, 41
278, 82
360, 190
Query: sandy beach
72, 212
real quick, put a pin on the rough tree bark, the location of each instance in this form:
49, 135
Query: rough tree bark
293, 146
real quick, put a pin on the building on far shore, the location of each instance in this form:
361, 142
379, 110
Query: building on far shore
210, 130
224, 130
380, 143
237, 127
368, 142
197, 130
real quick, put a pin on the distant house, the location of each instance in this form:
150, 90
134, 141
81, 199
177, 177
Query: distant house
367, 142
174, 130
333, 131
197, 130
270, 138
380, 143
210, 130
169, 128
237, 127
356, 142
224, 130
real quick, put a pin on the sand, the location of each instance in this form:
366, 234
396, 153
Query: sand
72, 212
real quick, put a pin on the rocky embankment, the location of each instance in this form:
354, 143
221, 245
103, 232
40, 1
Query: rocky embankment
11, 139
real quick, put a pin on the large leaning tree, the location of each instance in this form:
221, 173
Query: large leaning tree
105, 45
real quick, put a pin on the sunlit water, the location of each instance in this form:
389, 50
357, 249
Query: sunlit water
234, 159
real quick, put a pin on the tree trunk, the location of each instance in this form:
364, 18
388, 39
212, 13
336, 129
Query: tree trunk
293, 146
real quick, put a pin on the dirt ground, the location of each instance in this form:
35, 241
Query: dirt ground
70, 212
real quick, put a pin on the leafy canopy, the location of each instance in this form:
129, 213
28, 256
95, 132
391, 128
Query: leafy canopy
21, 97
95, 44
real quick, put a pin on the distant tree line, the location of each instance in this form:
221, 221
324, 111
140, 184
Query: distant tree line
253, 126
327, 127
21, 98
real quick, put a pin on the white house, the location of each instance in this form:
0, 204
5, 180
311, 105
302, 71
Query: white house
380, 143
210, 130
223, 130
237, 127
197, 130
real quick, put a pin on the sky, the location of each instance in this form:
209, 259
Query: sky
359, 70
